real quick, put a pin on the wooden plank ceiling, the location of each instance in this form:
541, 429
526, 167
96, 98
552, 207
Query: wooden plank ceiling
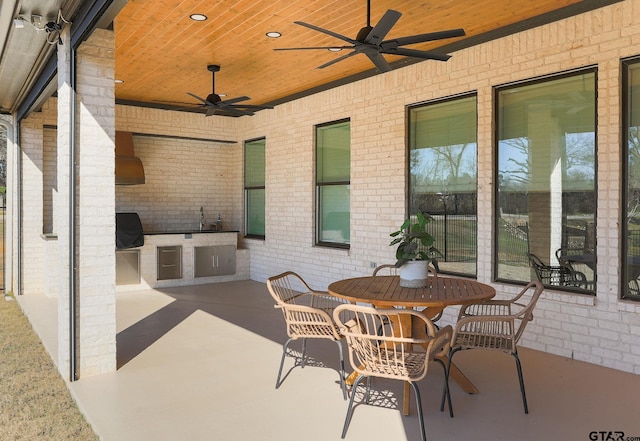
161, 54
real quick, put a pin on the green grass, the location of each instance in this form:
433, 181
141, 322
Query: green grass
35, 403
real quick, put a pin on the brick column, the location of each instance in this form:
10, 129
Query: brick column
95, 205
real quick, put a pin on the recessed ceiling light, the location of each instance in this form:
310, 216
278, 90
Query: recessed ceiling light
335, 49
198, 17
274, 34
118, 81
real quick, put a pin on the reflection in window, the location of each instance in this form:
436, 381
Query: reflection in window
254, 187
333, 174
546, 199
443, 178
631, 229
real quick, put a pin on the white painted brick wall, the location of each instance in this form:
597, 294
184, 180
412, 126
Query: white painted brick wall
180, 177
598, 329
575, 326
33, 251
61, 202
96, 205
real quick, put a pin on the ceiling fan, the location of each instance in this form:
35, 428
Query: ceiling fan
370, 41
215, 105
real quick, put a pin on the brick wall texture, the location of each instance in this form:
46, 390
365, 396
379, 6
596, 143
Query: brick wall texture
183, 175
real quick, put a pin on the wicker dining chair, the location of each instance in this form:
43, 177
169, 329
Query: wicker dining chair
557, 275
390, 354
497, 325
307, 315
390, 269
387, 269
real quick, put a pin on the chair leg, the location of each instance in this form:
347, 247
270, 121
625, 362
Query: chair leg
342, 375
419, 407
524, 395
368, 394
284, 354
304, 351
347, 420
446, 392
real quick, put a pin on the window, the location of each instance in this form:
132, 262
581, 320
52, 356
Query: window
631, 224
545, 181
443, 178
333, 168
49, 177
254, 194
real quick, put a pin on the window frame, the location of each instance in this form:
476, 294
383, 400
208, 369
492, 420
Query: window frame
409, 135
624, 161
319, 186
250, 188
593, 69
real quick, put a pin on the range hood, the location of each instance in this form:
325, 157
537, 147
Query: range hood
129, 169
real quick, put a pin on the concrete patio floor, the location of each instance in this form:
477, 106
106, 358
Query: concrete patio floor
200, 362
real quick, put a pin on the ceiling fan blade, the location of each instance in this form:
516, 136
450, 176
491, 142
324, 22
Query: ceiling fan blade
334, 61
212, 111
175, 103
313, 48
326, 31
198, 98
431, 36
379, 61
251, 106
195, 108
234, 100
416, 54
233, 110
388, 20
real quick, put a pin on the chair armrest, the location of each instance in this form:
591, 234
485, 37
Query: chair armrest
439, 345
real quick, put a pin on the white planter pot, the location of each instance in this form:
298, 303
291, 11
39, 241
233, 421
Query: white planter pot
414, 273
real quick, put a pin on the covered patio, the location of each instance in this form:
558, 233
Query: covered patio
200, 362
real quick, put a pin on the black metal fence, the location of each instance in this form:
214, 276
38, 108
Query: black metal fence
513, 243
456, 237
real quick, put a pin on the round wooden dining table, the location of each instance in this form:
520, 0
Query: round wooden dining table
439, 292
386, 292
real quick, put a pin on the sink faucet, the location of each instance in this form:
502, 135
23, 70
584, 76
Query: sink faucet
201, 218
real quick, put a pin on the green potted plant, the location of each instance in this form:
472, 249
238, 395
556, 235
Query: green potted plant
414, 250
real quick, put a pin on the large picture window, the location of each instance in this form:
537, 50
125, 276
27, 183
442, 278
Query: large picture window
631, 222
254, 187
333, 174
546, 181
443, 178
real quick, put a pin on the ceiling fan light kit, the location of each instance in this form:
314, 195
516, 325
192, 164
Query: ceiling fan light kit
370, 41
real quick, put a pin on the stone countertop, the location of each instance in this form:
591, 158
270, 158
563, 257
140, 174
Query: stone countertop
155, 233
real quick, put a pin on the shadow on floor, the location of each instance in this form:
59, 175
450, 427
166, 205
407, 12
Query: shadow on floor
245, 304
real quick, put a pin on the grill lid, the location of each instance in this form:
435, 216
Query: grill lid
129, 232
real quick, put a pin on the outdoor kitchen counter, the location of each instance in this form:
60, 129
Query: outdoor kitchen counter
155, 233
189, 243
